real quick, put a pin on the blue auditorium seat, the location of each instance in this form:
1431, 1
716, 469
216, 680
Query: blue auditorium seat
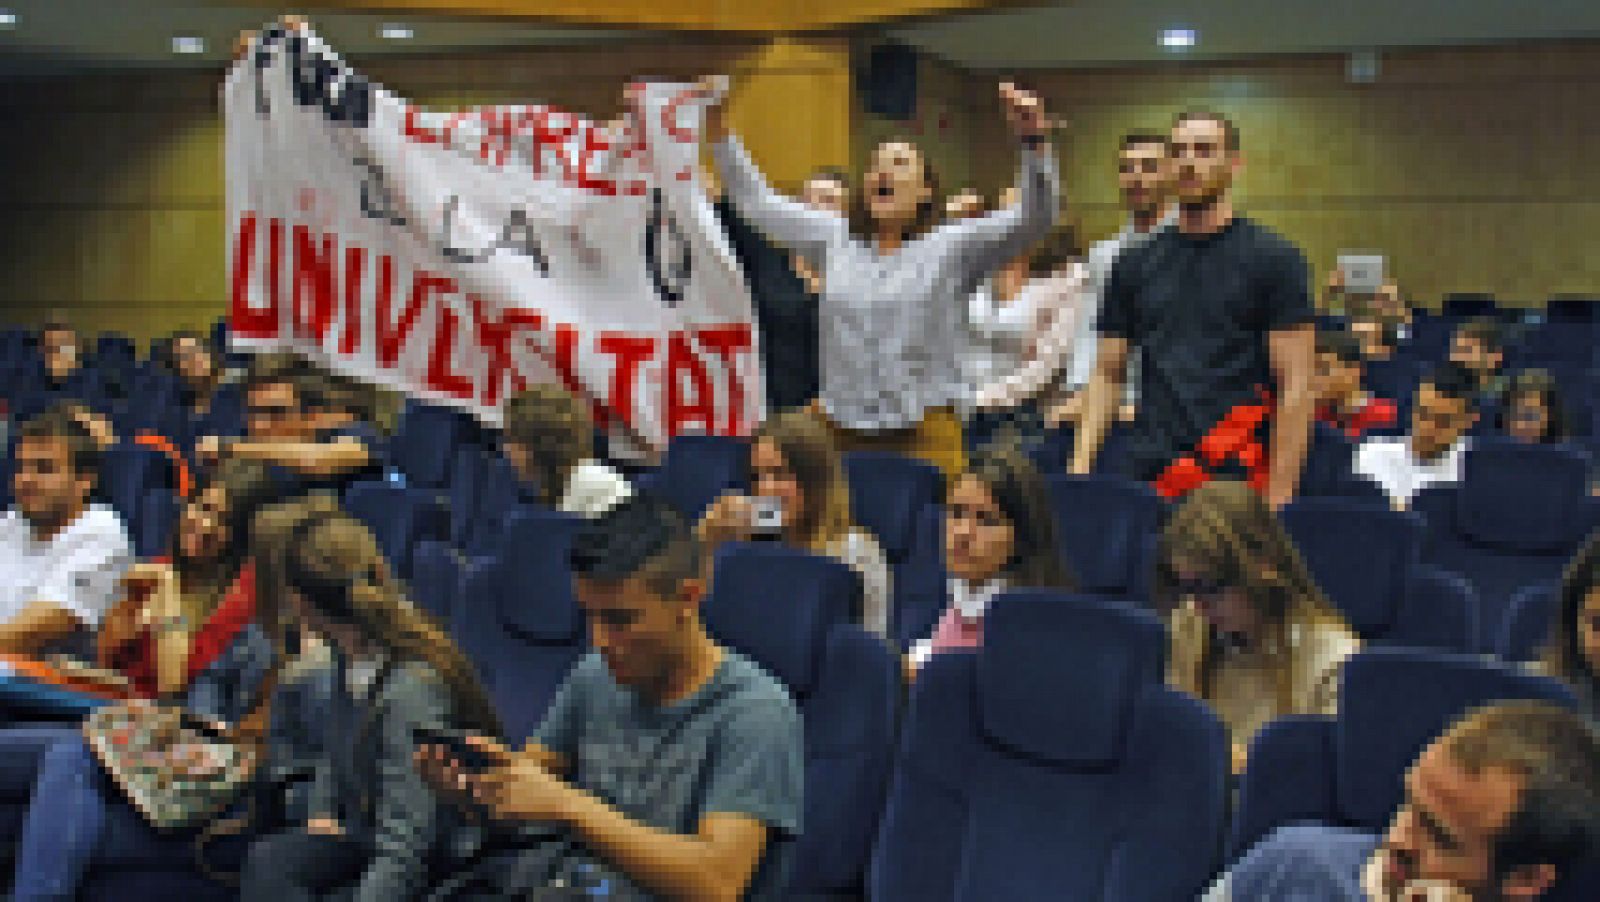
1518, 515
1329, 470
465, 490
1054, 763
1529, 622
399, 518
1348, 771
501, 494
425, 440
1107, 528
436, 574
889, 497
1367, 558
129, 473
518, 621
698, 468
1466, 305
845, 681
1395, 379
158, 517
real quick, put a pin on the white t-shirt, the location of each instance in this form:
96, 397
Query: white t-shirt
78, 569
1390, 463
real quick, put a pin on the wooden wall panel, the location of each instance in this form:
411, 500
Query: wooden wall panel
111, 187
1473, 169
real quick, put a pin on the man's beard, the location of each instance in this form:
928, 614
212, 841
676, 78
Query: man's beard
1210, 199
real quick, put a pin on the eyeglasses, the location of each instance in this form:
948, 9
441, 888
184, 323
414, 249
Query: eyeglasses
1201, 589
271, 412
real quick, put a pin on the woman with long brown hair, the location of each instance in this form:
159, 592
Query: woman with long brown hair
895, 281
999, 534
372, 820
184, 636
795, 468
1573, 654
1252, 635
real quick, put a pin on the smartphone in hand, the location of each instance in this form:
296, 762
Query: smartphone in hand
469, 755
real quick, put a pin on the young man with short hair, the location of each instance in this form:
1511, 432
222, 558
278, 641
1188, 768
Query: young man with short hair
1501, 807
1342, 400
1144, 183
287, 425
667, 766
1220, 308
61, 557
1441, 413
1479, 346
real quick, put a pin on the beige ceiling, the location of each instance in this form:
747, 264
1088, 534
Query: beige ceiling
52, 34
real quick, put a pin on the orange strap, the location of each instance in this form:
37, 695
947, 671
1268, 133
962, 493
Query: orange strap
1234, 437
180, 467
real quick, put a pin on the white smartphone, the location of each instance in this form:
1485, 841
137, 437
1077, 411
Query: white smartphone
1362, 270
766, 515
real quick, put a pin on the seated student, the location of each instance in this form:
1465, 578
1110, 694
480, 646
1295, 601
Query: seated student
1479, 347
1500, 807
547, 435
1441, 414
373, 822
1377, 338
999, 533
793, 460
212, 407
183, 631
1573, 654
667, 767
1531, 410
1342, 400
61, 557
1252, 635
62, 375
282, 431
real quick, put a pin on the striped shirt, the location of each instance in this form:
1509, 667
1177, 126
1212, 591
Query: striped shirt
893, 325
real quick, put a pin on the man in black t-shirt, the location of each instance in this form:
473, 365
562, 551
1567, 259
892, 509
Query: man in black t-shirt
1220, 308
784, 292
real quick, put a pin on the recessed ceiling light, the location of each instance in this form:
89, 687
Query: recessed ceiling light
188, 43
395, 32
8, 19
1178, 38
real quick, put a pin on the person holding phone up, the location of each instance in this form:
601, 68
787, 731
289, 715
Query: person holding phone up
800, 497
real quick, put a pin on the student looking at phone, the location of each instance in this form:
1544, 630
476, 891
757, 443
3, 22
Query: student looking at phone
373, 823
667, 767
799, 496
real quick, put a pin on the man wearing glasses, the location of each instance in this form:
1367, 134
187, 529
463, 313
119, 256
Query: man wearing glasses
282, 429
1445, 408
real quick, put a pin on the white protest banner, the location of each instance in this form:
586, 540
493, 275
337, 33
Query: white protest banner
458, 256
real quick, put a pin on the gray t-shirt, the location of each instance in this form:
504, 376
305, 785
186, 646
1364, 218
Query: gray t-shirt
733, 747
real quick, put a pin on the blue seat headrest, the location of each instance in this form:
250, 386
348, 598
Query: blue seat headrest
1524, 498
1381, 731
888, 493
776, 605
1059, 674
1360, 555
1104, 525
536, 600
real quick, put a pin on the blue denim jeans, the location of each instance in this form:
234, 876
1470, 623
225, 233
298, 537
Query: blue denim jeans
64, 824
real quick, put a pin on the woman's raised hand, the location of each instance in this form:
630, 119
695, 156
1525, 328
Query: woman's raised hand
1024, 111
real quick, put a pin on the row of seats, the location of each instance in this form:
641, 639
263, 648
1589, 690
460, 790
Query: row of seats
1054, 757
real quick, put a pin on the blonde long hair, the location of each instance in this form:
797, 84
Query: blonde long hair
1226, 528
808, 450
314, 537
